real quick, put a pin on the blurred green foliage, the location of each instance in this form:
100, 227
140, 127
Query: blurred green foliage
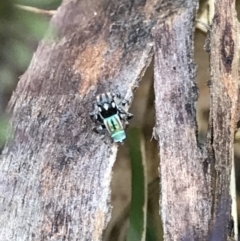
20, 32
3, 129
138, 211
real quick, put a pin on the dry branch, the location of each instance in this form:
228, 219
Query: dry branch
35, 10
224, 112
195, 180
185, 183
55, 173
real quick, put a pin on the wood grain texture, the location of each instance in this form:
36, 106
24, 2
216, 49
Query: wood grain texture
55, 172
224, 111
195, 179
185, 179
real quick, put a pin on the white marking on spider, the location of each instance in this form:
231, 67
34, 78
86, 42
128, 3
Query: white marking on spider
106, 106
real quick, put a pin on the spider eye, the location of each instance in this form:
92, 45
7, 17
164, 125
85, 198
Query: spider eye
106, 106
113, 104
99, 108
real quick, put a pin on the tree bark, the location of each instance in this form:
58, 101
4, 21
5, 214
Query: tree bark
185, 183
195, 179
55, 172
224, 111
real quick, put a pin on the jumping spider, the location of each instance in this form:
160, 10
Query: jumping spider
110, 116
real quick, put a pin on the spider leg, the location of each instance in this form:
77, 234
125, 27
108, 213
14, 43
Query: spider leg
124, 114
117, 98
100, 129
122, 109
94, 116
129, 115
125, 102
126, 124
118, 95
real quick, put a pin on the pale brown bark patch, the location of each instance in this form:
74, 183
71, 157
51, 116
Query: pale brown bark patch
89, 64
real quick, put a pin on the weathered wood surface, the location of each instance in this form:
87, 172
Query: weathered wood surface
55, 172
195, 179
224, 111
185, 190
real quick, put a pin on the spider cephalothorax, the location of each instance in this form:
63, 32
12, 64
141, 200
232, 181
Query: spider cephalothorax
109, 114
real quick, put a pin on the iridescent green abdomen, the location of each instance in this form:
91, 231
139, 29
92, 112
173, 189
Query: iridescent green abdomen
115, 128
